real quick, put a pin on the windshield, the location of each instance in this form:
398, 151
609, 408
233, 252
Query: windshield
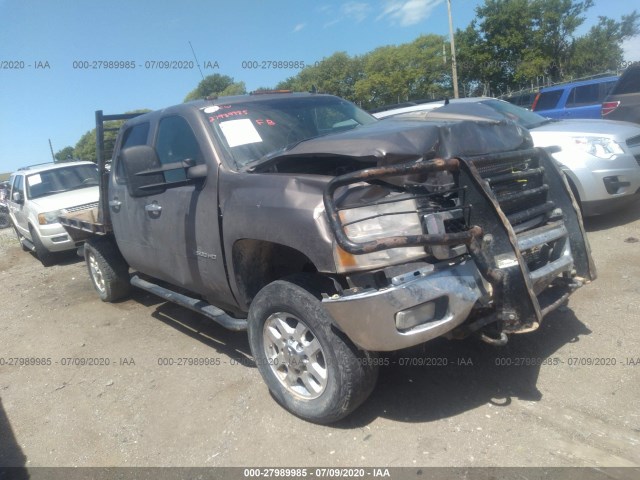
519, 115
60, 180
259, 129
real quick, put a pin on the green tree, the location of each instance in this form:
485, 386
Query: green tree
409, 71
519, 43
64, 155
216, 85
336, 74
389, 74
237, 88
85, 149
600, 50
503, 31
474, 62
554, 23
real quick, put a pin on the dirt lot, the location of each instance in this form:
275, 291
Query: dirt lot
487, 407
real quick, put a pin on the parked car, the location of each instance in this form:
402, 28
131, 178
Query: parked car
331, 236
575, 99
42, 192
524, 98
601, 158
623, 102
5, 220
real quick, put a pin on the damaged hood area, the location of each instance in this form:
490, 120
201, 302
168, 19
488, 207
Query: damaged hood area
394, 141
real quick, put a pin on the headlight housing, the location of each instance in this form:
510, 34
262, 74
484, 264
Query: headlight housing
601, 147
48, 218
374, 222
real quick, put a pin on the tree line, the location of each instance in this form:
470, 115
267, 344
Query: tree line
510, 45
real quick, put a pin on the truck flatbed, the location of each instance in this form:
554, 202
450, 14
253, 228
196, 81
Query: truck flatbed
80, 225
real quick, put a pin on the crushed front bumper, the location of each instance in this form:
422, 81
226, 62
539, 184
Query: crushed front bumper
444, 298
526, 253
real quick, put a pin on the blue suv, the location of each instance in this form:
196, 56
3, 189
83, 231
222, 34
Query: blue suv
574, 100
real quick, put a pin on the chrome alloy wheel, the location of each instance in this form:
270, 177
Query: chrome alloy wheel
96, 273
295, 355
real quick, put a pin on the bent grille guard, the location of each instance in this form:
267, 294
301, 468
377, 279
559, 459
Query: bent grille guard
521, 296
369, 174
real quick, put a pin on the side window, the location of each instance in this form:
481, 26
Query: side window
585, 95
135, 135
175, 143
605, 89
571, 99
12, 180
18, 185
548, 100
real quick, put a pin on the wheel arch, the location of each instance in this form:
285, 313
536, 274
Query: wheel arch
575, 186
256, 263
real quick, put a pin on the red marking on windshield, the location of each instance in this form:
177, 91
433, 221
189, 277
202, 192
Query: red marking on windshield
268, 121
223, 116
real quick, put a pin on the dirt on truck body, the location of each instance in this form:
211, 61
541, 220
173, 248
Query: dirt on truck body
331, 236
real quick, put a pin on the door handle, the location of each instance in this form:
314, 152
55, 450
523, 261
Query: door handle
153, 208
115, 203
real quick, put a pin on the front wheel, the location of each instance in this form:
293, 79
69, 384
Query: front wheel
46, 257
20, 237
311, 369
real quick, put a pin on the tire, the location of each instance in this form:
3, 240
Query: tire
46, 257
5, 221
20, 237
317, 374
108, 270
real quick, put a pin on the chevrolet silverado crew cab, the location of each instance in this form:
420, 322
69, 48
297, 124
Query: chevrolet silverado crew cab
331, 236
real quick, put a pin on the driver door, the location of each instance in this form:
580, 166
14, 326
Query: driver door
174, 235
17, 209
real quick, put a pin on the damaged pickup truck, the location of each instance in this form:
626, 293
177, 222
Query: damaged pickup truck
331, 236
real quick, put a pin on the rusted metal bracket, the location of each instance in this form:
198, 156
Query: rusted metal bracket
369, 174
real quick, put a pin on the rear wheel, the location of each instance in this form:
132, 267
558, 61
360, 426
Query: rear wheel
108, 270
46, 257
311, 369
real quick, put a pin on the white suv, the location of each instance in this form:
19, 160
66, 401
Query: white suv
40, 193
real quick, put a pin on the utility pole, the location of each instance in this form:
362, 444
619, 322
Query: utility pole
51, 148
454, 67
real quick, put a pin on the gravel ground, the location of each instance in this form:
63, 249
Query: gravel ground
476, 411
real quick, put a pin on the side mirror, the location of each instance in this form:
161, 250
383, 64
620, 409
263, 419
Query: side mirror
18, 198
197, 171
137, 161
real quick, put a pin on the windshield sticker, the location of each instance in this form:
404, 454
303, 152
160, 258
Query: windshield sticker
240, 132
34, 179
213, 109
